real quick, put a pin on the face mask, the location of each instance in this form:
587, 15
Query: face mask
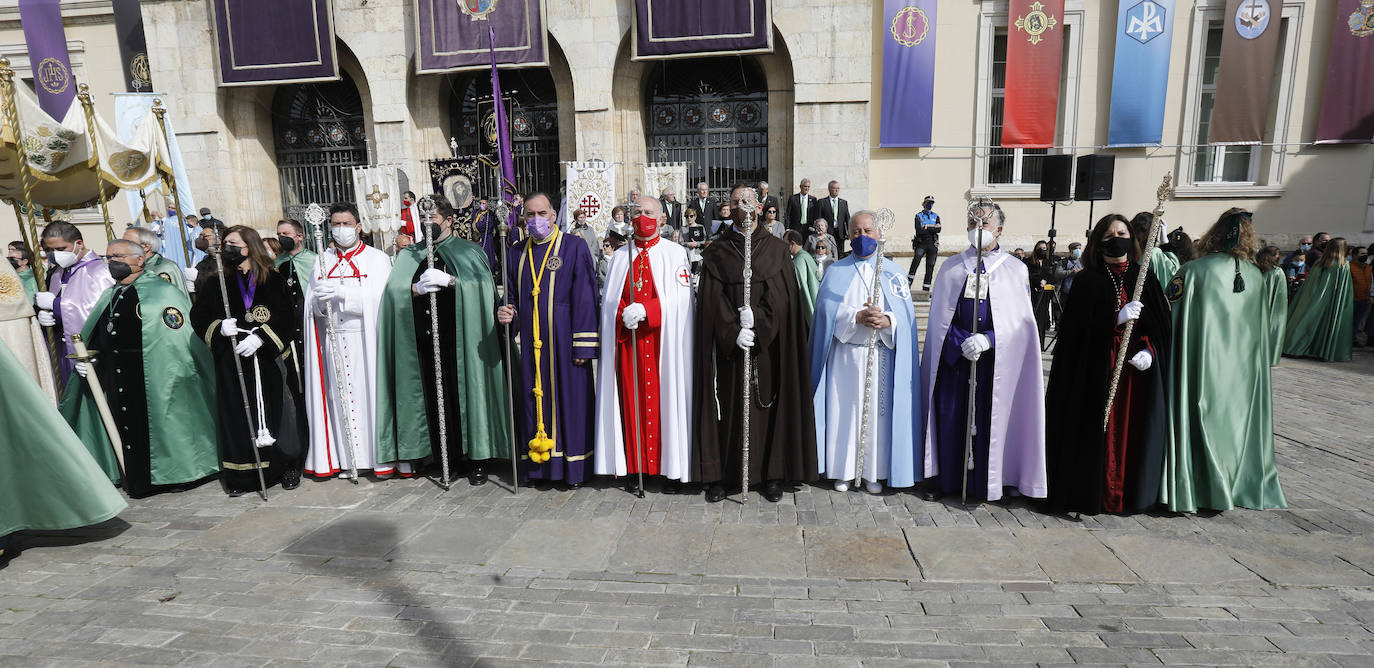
989, 239
203, 245
1039, 252
287, 244
433, 230
1321, 245
120, 270
344, 236
645, 226
64, 259
14, 263
865, 246
540, 226
1299, 262
1304, 247
233, 255
481, 206
1076, 253
1116, 247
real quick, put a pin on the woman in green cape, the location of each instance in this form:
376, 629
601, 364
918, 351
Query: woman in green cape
1321, 316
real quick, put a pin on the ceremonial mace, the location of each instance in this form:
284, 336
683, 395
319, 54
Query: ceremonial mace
315, 216
216, 251
101, 405
884, 219
634, 356
503, 235
750, 202
426, 208
970, 426
1164, 192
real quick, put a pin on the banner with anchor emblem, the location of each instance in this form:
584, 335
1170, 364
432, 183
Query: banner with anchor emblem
1249, 49
454, 36
1035, 54
591, 187
378, 194
908, 30
1140, 74
1348, 98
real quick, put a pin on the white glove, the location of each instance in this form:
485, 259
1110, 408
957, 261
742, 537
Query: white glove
191, 274
432, 280
1131, 311
44, 300
746, 317
633, 315
745, 340
1142, 360
228, 327
47, 319
248, 346
974, 346
326, 292
190, 285
82, 369
155, 228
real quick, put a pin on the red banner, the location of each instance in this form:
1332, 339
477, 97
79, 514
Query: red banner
1035, 53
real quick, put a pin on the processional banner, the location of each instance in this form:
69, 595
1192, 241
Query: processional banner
273, 41
458, 35
1249, 49
130, 110
1140, 73
133, 45
1035, 54
378, 194
457, 180
908, 73
660, 175
678, 28
591, 187
1348, 100
47, 45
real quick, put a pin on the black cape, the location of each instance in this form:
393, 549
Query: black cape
1077, 395
782, 442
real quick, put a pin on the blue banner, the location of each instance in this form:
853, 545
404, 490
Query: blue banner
908, 73
1140, 76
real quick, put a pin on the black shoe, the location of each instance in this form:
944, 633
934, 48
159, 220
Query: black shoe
236, 493
632, 486
772, 490
477, 476
570, 486
671, 486
931, 495
715, 493
926, 287
291, 478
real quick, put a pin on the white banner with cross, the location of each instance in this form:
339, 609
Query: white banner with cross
591, 187
378, 194
661, 175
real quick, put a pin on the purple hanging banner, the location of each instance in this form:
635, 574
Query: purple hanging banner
908, 73
274, 41
454, 35
690, 28
47, 42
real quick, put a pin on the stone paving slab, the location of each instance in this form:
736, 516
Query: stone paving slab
355, 535
971, 555
1178, 560
858, 553
265, 529
670, 548
764, 551
1069, 555
1302, 561
461, 540
573, 544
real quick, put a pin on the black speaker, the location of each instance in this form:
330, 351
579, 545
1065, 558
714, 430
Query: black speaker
1055, 178
1094, 181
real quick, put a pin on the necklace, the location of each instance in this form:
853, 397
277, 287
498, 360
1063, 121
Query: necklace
110, 314
1118, 286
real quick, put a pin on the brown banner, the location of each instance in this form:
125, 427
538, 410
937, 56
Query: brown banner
1249, 48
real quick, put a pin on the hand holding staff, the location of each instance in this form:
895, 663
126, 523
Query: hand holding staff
315, 216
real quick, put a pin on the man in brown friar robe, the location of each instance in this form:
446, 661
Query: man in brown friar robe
773, 331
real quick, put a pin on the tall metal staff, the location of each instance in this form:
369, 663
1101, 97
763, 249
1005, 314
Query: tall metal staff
1164, 192
634, 365
502, 213
750, 202
979, 212
884, 219
426, 208
315, 217
215, 251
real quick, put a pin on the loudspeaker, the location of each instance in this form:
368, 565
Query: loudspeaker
1055, 177
1094, 181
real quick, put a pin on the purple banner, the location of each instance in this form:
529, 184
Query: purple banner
687, 28
47, 42
908, 73
274, 41
1347, 115
504, 152
458, 35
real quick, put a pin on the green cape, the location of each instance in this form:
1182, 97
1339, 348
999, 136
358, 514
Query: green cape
1220, 452
1276, 291
1164, 265
402, 424
167, 270
30, 283
49, 480
301, 263
1321, 317
179, 377
809, 278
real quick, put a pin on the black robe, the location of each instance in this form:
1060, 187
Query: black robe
782, 442
448, 354
1077, 394
118, 337
273, 312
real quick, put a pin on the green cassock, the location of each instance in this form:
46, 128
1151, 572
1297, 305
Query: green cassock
1321, 317
809, 278
166, 270
402, 421
49, 480
178, 386
1220, 452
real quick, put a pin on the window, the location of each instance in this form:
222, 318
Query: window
1218, 164
1007, 165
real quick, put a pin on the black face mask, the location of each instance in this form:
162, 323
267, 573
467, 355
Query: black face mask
433, 230
14, 263
287, 244
233, 255
1117, 247
203, 245
120, 270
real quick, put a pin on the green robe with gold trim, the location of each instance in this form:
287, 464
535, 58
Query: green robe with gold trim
1321, 317
175, 434
475, 387
1220, 452
166, 270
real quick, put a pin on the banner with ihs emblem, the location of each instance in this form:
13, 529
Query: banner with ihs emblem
378, 194
660, 175
591, 187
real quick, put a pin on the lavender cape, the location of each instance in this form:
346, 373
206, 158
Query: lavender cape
77, 290
1016, 446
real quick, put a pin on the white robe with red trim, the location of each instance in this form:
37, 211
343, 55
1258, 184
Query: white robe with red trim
356, 322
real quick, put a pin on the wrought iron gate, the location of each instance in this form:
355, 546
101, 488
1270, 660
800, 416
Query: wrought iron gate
532, 115
320, 135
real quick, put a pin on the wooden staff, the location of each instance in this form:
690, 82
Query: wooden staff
101, 405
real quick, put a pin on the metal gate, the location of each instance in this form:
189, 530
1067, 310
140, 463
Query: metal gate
532, 115
320, 135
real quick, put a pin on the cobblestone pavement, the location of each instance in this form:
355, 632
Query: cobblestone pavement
399, 573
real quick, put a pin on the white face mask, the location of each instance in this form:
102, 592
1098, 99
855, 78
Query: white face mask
64, 259
345, 237
989, 239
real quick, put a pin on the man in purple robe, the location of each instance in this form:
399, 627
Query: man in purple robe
555, 311
73, 287
1009, 409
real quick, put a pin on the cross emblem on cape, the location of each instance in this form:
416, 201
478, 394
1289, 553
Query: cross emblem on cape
377, 197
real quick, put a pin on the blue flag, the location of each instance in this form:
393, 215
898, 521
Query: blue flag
1140, 77
908, 73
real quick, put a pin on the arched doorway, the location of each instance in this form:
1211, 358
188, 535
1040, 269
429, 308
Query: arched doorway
532, 113
319, 132
713, 113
